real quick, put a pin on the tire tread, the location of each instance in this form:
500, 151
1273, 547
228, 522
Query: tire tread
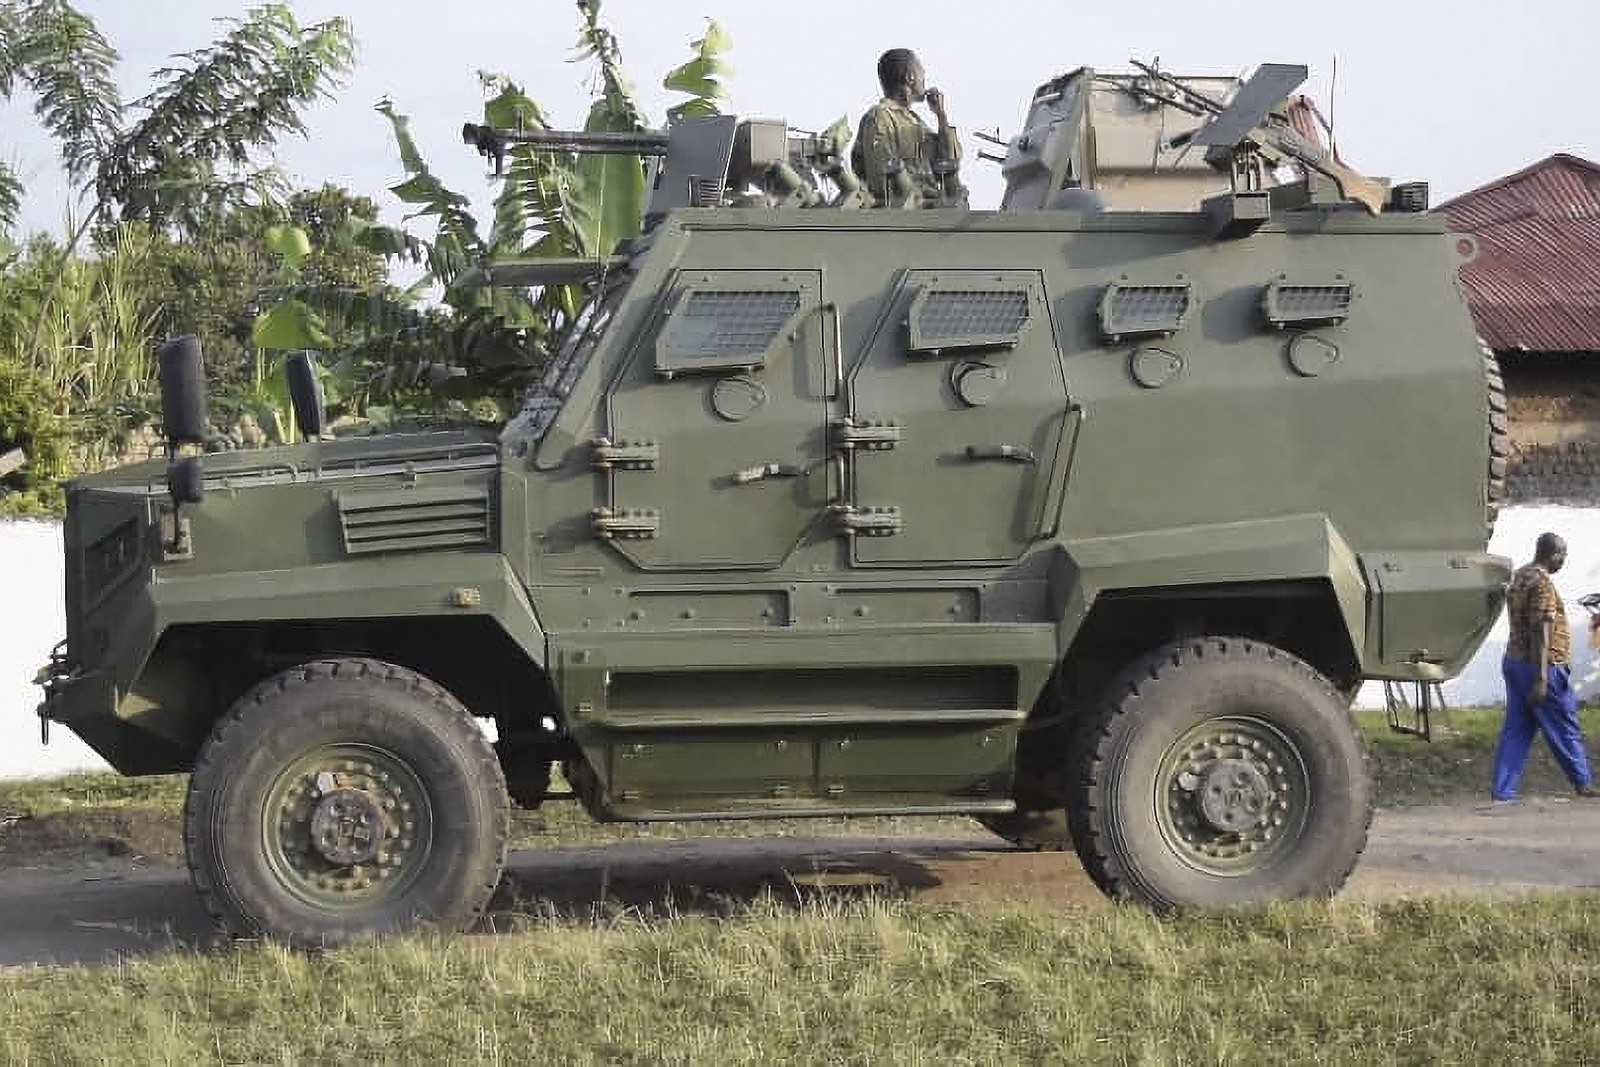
217, 750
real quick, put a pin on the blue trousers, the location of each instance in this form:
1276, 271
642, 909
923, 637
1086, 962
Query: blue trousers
1556, 717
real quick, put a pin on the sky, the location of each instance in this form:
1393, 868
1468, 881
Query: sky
1456, 94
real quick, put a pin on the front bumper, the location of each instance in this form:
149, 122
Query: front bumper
73, 696
86, 701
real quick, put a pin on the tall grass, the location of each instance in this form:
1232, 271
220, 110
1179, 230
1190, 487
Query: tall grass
1444, 981
88, 337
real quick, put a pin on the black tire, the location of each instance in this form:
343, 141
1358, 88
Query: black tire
288, 792
1221, 772
1499, 432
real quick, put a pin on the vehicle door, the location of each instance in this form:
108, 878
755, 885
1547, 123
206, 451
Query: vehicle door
958, 412
716, 448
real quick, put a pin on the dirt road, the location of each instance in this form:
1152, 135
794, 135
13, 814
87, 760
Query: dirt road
56, 917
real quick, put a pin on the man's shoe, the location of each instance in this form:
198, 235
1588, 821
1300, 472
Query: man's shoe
1500, 807
1587, 791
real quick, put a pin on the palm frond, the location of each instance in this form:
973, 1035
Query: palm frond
10, 197
615, 97
457, 245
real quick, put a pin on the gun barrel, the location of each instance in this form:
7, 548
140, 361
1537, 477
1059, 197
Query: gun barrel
492, 141
1194, 99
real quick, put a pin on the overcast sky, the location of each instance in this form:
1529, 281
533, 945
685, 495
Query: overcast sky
1457, 94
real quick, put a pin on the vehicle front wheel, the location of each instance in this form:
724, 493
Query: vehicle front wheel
344, 799
1221, 772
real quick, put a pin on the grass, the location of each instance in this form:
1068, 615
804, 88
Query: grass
1441, 981
844, 979
77, 792
1454, 767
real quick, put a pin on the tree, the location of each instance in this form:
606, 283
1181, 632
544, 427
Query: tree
56, 52
215, 282
174, 181
494, 342
191, 153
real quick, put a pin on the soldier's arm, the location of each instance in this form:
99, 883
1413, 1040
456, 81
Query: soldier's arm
946, 145
876, 144
858, 151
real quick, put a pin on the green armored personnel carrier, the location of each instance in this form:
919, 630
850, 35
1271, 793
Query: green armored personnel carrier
1085, 523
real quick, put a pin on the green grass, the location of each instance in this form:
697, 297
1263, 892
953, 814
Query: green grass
844, 979
1454, 766
1443, 981
77, 792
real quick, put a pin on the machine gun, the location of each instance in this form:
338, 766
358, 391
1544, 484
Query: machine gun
714, 161
492, 143
1248, 138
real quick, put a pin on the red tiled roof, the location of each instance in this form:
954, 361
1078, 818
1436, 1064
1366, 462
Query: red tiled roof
1535, 285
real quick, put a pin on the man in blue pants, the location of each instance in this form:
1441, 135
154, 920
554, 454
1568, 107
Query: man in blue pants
1537, 669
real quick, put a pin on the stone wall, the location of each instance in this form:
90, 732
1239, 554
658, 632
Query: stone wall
1558, 472
1554, 404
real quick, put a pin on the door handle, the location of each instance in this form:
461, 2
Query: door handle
767, 470
1011, 453
831, 309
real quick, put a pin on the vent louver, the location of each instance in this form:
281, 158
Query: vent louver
719, 328
404, 520
1289, 303
1144, 310
967, 318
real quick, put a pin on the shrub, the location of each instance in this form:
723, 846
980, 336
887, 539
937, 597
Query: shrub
28, 421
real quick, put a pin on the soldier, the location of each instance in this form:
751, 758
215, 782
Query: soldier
1537, 671
893, 138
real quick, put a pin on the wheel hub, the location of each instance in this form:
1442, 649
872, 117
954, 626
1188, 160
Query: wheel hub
348, 827
1233, 796
1232, 793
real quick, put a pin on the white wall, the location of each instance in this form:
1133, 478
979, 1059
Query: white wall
1514, 535
31, 623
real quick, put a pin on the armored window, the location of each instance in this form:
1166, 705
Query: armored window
1135, 310
722, 329
944, 318
1288, 302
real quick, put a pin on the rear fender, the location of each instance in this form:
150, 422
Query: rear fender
1186, 560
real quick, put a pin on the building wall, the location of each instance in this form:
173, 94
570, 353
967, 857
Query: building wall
1554, 404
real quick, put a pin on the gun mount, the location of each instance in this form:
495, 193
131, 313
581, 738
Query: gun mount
1110, 132
714, 161
1104, 134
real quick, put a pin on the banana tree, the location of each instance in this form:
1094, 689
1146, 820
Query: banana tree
552, 203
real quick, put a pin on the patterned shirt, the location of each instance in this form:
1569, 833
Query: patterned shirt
891, 132
1531, 601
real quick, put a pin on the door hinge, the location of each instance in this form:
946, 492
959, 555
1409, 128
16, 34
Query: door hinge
869, 435
852, 521
624, 455
625, 524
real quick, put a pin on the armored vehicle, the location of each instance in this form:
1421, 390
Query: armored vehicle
1085, 523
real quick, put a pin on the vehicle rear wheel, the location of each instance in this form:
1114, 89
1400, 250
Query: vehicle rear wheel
1499, 435
344, 799
1221, 772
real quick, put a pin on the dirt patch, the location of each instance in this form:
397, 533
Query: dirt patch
92, 837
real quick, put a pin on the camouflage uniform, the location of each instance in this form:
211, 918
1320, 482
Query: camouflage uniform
891, 132
1531, 602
